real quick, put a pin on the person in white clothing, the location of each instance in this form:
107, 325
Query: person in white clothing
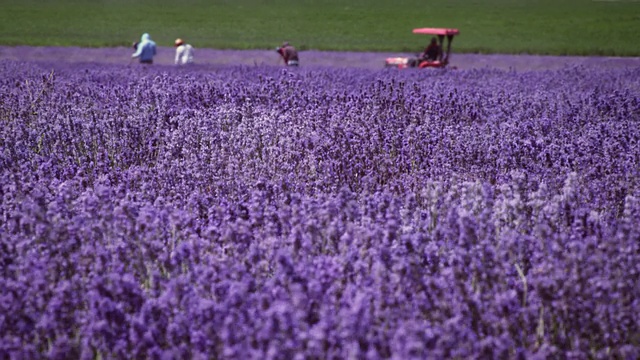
184, 53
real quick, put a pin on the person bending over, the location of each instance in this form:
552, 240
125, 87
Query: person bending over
289, 54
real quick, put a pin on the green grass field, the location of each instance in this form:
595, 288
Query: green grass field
559, 27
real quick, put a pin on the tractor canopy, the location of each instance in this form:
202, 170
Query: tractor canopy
436, 31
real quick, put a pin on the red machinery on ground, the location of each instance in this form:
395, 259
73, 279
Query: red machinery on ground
440, 61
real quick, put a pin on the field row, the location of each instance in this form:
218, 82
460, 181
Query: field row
259, 212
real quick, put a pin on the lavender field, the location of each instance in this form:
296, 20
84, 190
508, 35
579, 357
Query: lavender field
243, 212
214, 58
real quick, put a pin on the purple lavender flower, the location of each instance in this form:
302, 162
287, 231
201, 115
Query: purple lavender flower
245, 212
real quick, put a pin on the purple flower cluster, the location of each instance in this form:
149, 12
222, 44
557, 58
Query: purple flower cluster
313, 213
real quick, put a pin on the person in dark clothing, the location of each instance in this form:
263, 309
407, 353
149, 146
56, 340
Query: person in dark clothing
432, 52
289, 54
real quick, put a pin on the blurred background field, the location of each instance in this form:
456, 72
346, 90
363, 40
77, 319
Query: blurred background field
546, 27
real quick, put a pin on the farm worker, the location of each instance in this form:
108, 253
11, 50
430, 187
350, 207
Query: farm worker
184, 53
289, 54
145, 50
433, 51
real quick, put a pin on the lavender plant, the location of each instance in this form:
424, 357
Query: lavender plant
256, 212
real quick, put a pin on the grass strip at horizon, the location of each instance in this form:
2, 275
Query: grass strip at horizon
255, 211
576, 27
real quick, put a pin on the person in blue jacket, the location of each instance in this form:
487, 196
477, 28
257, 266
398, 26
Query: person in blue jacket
145, 50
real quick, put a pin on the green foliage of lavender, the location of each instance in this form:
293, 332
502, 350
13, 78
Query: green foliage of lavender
259, 212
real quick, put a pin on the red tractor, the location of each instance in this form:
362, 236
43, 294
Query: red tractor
434, 55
